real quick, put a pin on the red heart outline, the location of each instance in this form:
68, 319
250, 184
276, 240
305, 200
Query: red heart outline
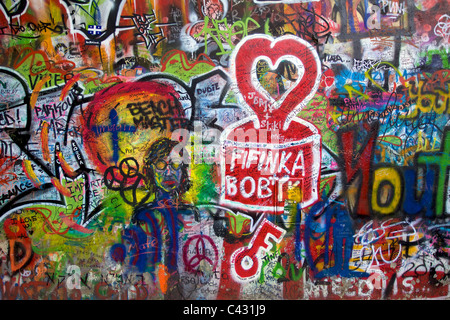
258, 47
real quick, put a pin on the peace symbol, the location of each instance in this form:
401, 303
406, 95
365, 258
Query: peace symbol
129, 167
200, 246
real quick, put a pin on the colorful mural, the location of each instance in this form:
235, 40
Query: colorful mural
224, 150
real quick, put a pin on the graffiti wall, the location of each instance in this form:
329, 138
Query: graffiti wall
224, 149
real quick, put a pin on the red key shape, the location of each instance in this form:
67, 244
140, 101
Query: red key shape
246, 261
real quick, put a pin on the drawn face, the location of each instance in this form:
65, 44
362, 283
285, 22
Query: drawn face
167, 173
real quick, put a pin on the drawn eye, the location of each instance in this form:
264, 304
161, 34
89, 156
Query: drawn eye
160, 165
175, 165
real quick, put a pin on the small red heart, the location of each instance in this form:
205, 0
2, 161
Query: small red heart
261, 47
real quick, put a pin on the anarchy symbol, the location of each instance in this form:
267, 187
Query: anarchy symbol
200, 246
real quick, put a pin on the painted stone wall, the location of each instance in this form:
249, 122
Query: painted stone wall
224, 149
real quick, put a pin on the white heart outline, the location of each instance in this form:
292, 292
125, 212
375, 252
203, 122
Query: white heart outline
276, 103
